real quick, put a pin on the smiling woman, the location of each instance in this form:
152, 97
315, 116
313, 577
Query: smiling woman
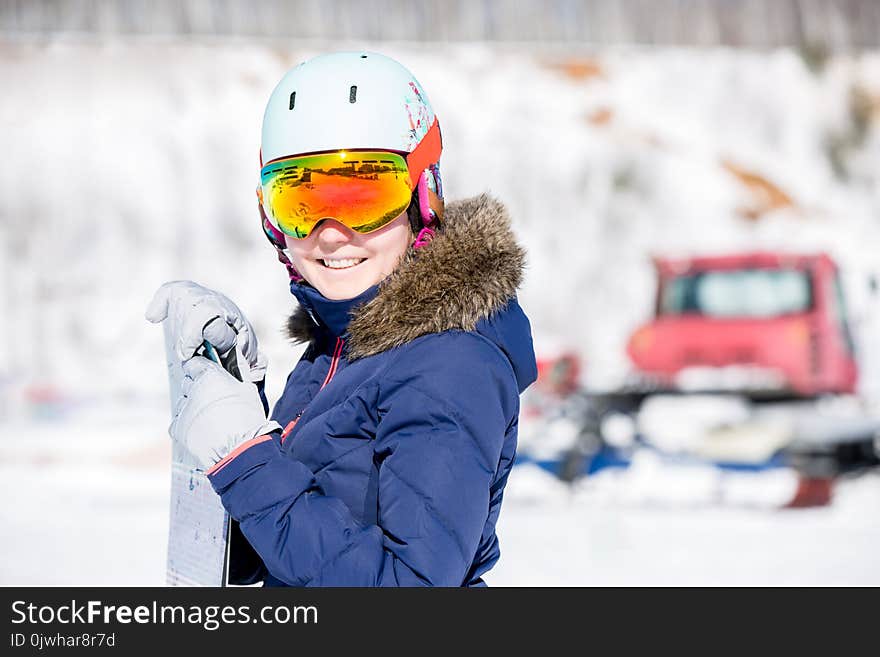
384, 461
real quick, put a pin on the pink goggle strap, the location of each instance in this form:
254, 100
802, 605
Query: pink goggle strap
428, 217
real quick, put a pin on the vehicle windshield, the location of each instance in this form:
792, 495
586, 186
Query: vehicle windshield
751, 293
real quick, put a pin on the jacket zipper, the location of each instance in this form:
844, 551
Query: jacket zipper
337, 352
334, 362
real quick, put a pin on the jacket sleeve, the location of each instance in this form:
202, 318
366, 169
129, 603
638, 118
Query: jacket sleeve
441, 426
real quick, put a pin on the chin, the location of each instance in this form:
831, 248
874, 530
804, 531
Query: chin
337, 294
340, 290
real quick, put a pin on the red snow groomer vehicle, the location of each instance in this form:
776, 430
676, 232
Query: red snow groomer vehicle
761, 324
761, 340
747, 363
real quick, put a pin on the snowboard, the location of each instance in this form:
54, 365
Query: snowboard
199, 528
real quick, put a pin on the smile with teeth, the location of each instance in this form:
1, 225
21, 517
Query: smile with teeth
340, 263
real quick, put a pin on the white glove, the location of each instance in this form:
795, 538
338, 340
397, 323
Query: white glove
197, 314
216, 412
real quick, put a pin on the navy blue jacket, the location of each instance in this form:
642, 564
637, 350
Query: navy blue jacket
400, 421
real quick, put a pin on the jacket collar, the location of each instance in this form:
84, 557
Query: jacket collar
317, 311
471, 268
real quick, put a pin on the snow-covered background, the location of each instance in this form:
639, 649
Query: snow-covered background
128, 163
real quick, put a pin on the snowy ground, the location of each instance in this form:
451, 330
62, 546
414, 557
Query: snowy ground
86, 503
652, 526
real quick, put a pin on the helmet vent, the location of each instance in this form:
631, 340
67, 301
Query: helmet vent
292, 100
352, 94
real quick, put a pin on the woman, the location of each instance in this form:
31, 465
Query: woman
386, 456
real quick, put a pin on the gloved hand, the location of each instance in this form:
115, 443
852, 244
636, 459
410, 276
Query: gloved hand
196, 314
216, 412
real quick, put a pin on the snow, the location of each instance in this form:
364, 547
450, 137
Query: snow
132, 163
87, 504
637, 530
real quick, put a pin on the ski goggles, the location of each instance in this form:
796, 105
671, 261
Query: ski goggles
360, 188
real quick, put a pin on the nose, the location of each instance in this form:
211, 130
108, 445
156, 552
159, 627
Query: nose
331, 232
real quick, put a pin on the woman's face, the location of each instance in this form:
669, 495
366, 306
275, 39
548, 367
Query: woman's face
341, 263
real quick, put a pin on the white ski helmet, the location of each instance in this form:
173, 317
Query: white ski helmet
354, 100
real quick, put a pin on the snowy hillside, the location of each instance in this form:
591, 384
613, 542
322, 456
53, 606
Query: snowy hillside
128, 165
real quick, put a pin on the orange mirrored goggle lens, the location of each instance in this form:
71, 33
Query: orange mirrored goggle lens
363, 190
